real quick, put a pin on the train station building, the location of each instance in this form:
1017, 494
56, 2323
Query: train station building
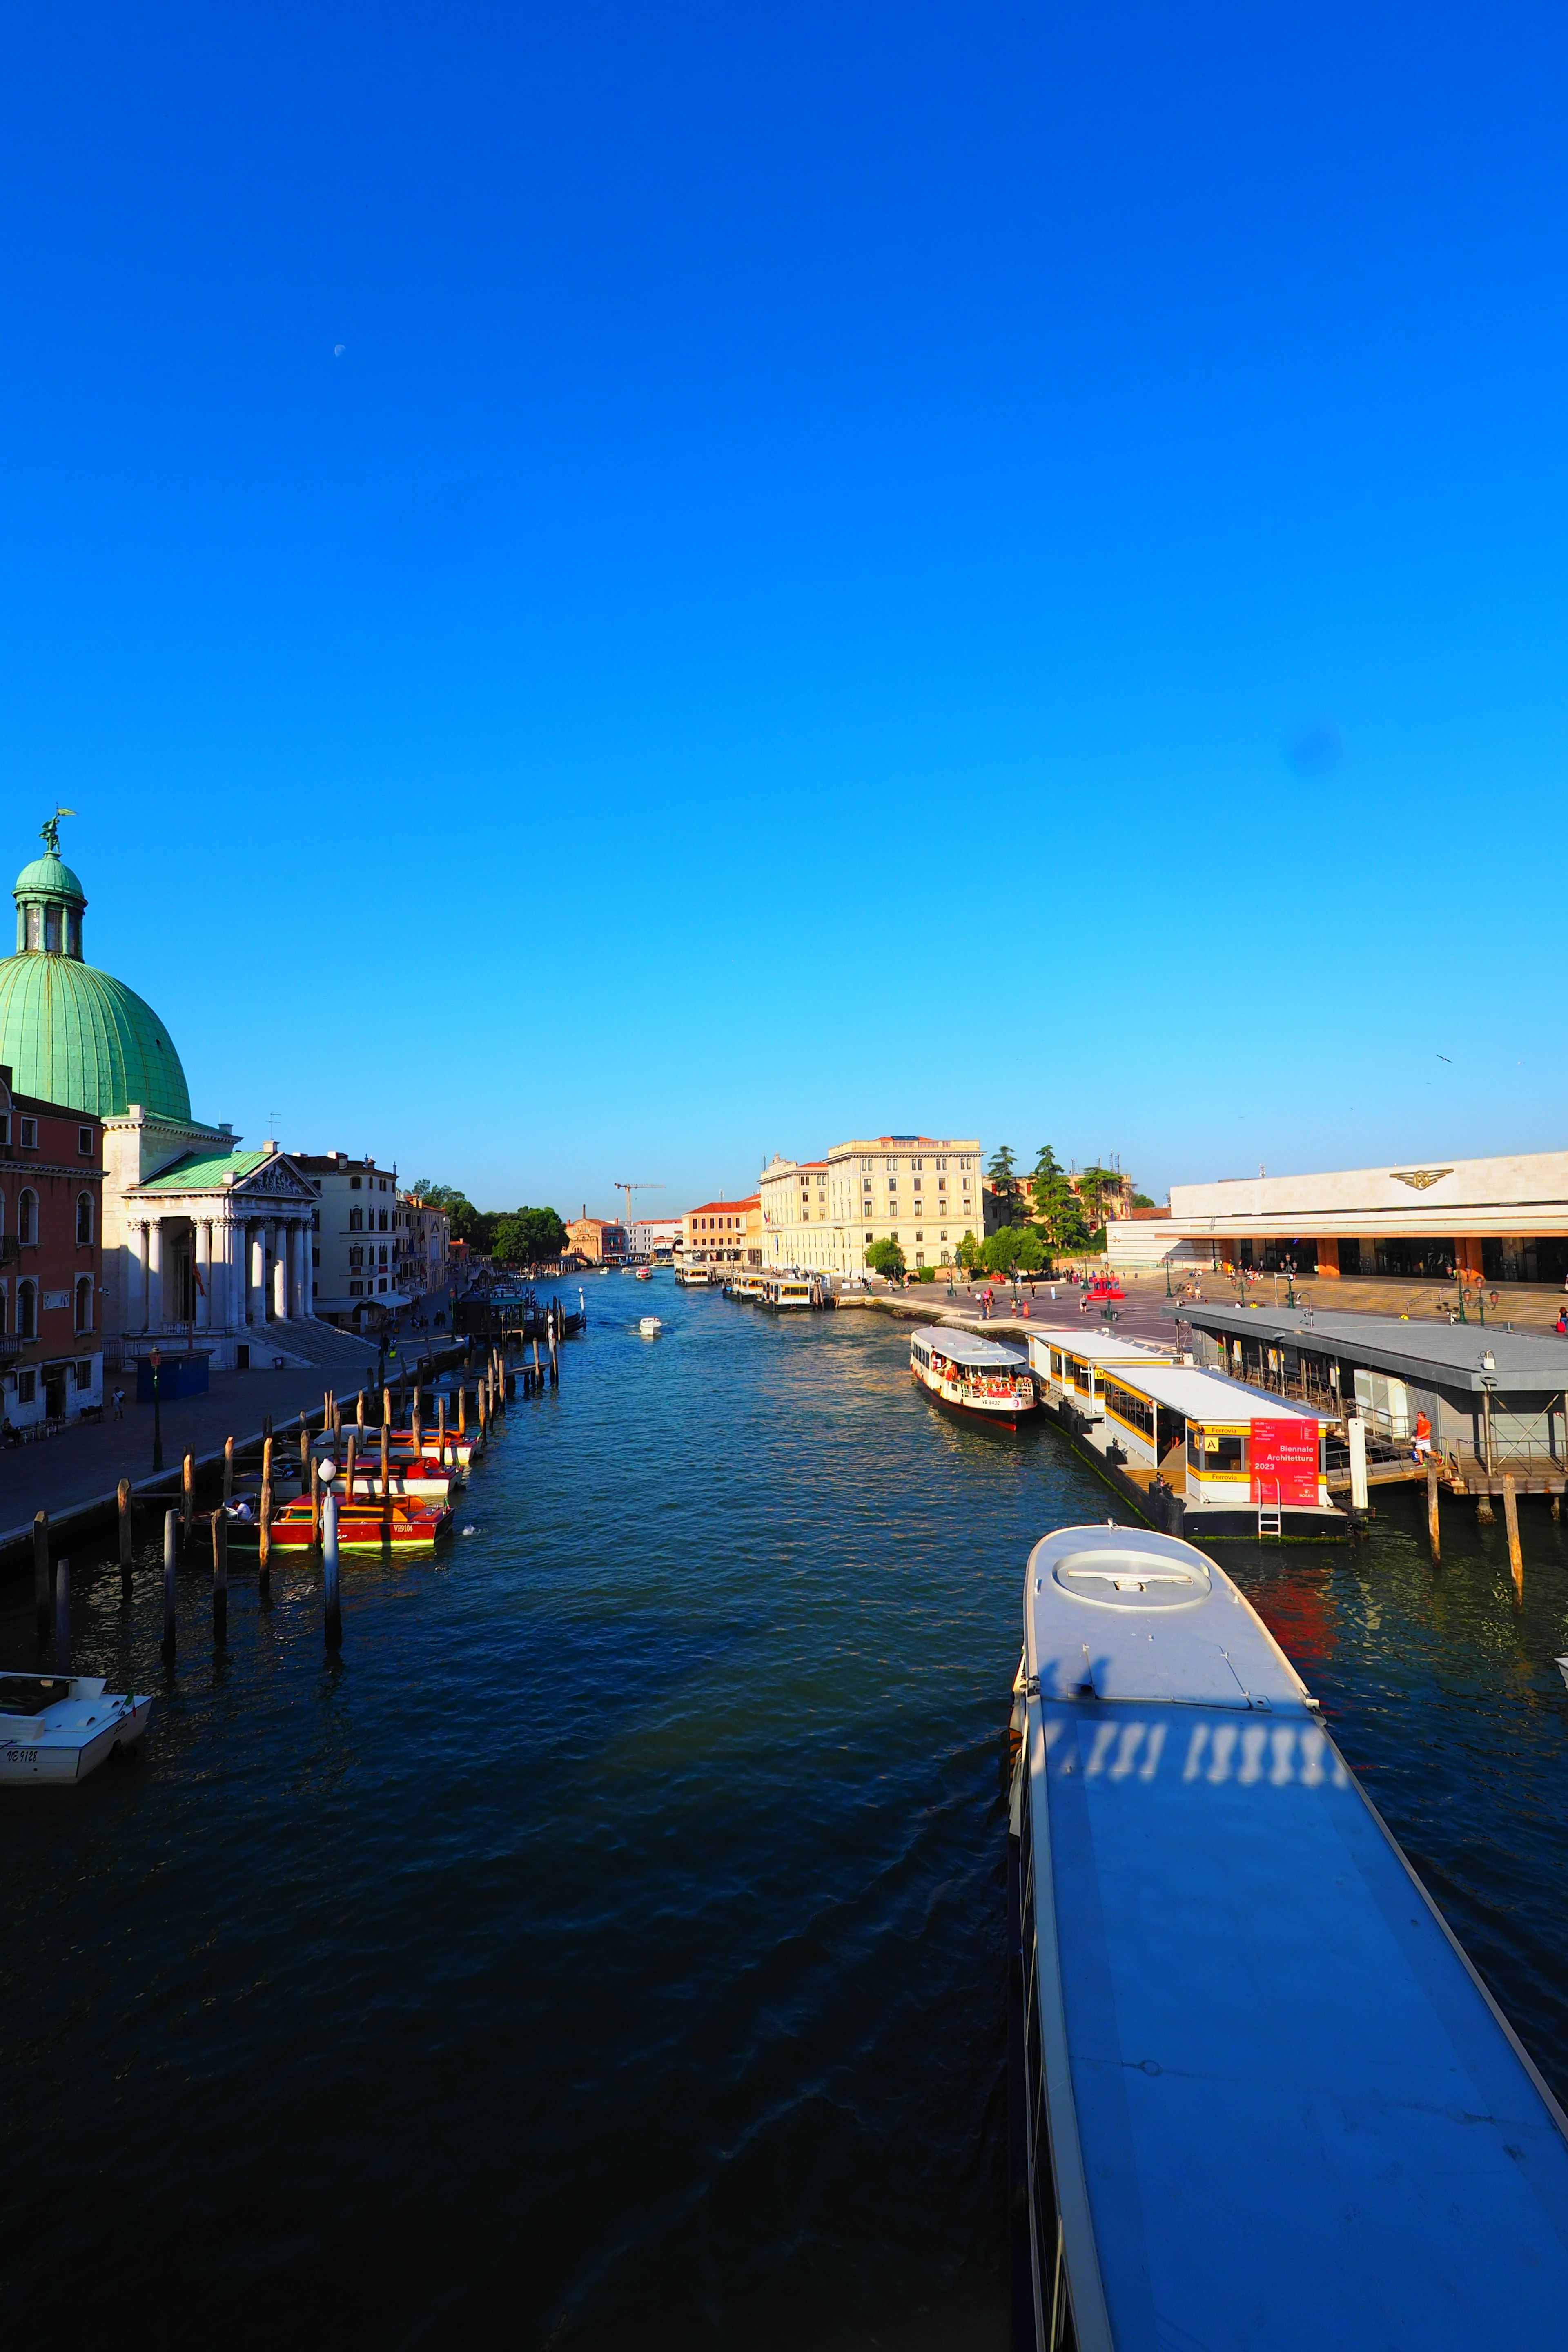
1494, 1221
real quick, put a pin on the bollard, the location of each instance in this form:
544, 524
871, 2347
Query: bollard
334, 1614
122, 1503
1432, 1533
43, 1589
1510, 1516
229, 1470
171, 1549
264, 1528
187, 1496
1355, 1433
63, 1618
220, 1575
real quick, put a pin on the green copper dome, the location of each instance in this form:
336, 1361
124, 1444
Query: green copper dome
69, 1033
47, 877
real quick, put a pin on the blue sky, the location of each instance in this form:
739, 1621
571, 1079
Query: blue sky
990, 569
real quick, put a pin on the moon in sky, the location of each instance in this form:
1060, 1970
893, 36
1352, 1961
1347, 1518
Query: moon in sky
338, 350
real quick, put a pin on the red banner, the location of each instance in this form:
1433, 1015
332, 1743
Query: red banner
1283, 1455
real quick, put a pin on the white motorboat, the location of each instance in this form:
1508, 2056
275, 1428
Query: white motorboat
650, 1327
63, 1726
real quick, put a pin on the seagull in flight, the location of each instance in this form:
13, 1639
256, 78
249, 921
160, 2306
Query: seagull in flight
1445, 1057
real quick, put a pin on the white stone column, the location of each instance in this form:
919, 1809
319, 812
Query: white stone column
281, 1272
135, 1280
256, 1298
204, 1274
298, 1260
155, 1275
310, 1307
219, 1310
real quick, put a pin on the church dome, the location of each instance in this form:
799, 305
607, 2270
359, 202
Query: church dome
72, 1034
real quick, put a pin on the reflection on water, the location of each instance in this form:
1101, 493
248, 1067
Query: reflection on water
614, 1940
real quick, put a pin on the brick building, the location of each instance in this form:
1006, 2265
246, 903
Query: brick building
51, 1259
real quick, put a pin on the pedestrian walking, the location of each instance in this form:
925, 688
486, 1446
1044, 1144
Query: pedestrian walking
120, 1404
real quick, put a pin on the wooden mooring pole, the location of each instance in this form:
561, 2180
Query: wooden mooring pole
264, 1531
1510, 1517
418, 1429
187, 1496
333, 1609
229, 1470
462, 1409
122, 1507
63, 1618
220, 1575
441, 1430
1433, 1536
1484, 1514
304, 1451
43, 1590
316, 1500
348, 1487
171, 1553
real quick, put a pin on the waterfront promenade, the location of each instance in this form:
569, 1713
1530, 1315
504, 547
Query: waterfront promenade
78, 1471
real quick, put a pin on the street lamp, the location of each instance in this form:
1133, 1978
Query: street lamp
155, 1361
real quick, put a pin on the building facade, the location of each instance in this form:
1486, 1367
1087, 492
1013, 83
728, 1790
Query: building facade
597, 1240
656, 1237
1494, 1221
430, 1243
724, 1234
51, 1260
923, 1191
367, 1257
198, 1239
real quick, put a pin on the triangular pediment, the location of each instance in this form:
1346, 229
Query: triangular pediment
276, 1179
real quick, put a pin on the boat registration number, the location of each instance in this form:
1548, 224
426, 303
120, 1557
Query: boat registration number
21, 1756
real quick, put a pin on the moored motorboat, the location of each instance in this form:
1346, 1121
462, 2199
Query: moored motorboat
63, 1726
366, 1525
1261, 2096
972, 1374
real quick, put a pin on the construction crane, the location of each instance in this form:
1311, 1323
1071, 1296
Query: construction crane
620, 1186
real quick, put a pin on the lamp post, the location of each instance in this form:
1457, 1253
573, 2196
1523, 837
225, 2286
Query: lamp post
155, 1361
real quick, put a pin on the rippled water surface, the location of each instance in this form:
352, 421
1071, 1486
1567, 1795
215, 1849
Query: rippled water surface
610, 1949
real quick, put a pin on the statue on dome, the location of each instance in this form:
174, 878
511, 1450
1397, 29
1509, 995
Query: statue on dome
50, 830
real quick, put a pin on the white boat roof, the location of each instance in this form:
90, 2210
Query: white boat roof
1212, 1396
1284, 2110
1119, 1612
1094, 1347
968, 1348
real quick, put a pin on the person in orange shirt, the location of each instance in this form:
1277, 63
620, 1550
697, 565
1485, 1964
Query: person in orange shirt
1423, 1435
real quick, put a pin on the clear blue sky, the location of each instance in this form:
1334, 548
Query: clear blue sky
1123, 446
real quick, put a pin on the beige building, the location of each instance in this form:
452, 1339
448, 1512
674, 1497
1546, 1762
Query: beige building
598, 1241
724, 1233
921, 1191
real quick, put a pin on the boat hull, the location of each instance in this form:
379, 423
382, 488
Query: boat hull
66, 1756
1004, 1412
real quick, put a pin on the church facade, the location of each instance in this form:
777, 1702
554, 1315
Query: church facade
202, 1242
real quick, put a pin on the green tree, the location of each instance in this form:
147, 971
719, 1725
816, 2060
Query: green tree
886, 1257
1031, 1251
1057, 1205
1001, 1251
529, 1238
1095, 1186
969, 1252
1142, 1201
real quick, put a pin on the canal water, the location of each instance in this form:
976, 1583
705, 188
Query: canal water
610, 1947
